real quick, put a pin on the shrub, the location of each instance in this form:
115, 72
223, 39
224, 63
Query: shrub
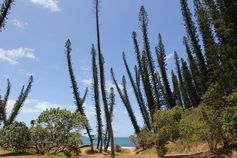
15, 136
56, 131
134, 140
118, 148
166, 128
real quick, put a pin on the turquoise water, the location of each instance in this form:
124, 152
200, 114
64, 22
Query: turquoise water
122, 141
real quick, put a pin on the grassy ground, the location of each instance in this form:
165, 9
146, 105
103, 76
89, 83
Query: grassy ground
130, 153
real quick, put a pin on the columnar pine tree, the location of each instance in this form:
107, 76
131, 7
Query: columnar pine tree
176, 90
102, 82
97, 99
138, 93
210, 46
4, 11
125, 99
193, 35
194, 69
111, 111
142, 67
183, 89
17, 105
147, 86
188, 82
161, 58
144, 27
78, 100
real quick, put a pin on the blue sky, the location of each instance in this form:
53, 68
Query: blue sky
33, 43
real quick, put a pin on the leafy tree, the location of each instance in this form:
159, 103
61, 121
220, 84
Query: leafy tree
167, 123
4, 11
78, 100
57, 130
15, 136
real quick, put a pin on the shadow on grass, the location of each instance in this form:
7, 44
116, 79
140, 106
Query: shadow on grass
11, 154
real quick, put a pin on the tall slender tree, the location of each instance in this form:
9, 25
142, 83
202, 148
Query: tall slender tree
17, 105
138, 94
193, 35
144, 27
97, 99
210, 46
111, 111
176, 90
102, 81
183, 89
161, 58
194, 69
189, 84
78, 100
144, 74
4, 11
125, 99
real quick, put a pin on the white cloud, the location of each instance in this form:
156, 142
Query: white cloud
19, 24
52, 5
87, 82
170, 57
33, 106
12, 55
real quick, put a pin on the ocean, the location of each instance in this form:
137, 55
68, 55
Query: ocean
122, 141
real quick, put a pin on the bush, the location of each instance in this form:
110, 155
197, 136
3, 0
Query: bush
118, 148
206, 123
15, 136
166, 128
56, 131
134, 140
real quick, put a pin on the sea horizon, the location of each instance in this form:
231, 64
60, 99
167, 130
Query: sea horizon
122, 141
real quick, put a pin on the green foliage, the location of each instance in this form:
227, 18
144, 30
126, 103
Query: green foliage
125, 99
15, 136
118, 148
96, 97
134, 140
188, 82
17, 105
161, 58
57, 131
145, 138
4, 11
76, 94
166, 128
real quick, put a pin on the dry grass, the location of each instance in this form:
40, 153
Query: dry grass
194, 151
